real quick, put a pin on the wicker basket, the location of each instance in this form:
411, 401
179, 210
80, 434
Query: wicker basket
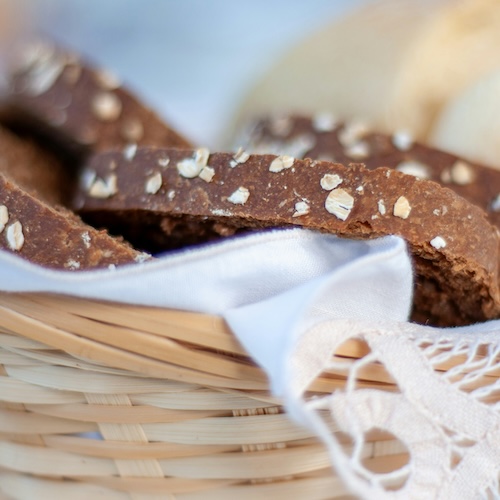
126, 402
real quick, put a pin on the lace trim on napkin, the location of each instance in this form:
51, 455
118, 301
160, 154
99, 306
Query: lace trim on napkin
438, 403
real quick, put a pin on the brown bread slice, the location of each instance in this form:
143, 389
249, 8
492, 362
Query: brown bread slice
163, 198
321, 137
54, 237
62, 97
33, 224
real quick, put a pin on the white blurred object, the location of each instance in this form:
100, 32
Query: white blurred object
394, 63
469, 125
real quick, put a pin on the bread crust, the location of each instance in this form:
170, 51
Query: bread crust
322, 137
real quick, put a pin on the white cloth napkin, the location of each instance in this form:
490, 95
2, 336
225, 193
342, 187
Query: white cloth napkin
257, 270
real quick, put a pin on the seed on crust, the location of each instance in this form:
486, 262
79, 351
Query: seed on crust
461, 173
339, 203
106, 106
142, 257
15, 236
188, 168
104, 188
381, 207
201, 156
192, 166
163, 161
86, 239
4, 217
402, 207
44, 71
495, 204
207, 174
281, 163
129, 151
301, 208
438, 242
352, 133
358, 151
241, 156
330, 181
402, 140
72, 264
153, 183
240, 196
415, 168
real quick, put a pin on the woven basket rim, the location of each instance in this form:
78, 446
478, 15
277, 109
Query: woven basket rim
177, 402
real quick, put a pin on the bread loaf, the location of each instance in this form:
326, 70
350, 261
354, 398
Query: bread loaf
322, 137
160, 197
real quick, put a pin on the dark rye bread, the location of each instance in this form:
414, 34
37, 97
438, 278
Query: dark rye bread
55, 93
54, 237
168, 197
33, 224
322, 137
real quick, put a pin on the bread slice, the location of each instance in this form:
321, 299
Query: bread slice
34, 225
57, 94
322, 137
166, 197
53, 236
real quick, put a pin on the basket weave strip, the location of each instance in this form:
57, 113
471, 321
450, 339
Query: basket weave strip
274, 463
120, 415
29, 423
130, 450
48, 489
